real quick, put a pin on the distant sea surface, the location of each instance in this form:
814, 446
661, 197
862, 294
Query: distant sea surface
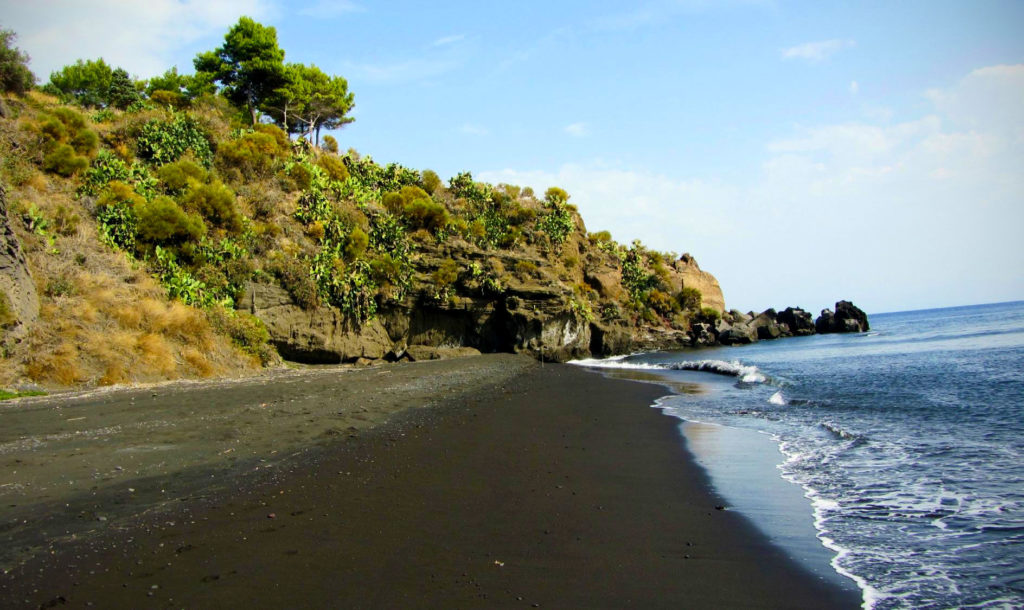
908, 443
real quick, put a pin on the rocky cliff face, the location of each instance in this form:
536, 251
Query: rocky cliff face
19, 302
690, 275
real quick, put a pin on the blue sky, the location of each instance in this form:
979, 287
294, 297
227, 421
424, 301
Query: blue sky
803, 152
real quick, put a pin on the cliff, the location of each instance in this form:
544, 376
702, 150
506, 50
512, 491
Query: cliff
162, 243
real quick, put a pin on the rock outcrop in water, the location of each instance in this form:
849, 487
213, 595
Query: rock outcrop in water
848, 318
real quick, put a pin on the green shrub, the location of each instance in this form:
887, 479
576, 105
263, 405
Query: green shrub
295, 278
216, 203
601, 237
163, 222
557, 222
431, 181
425, 214
357, 243
393, 203
181, 175
334, 167
246, 331
256, 154
661, 302
301, 175
689, 298
115, 215
525, 269
64, 161
108, 167
330, 144
164, 141
708, 315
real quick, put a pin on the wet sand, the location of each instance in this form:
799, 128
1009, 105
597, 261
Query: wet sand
521, 486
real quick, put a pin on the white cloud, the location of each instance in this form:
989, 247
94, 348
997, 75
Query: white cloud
58, 32
474, 130
914, 213
401, 71
577, 130
854, 87
817, 51
447, 40
330, 9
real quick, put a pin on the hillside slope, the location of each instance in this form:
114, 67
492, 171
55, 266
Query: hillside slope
160, 243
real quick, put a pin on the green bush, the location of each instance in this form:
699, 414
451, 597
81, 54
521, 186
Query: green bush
689, 298
357, 243
163, 222
181, 175
164, 141
115, 214
425, 214
216, 203
330, 144
295, 278
708, 315
108, 167
431, 181
525, 269
64, 161
67, 142
256, 154
302, 176
246, 330
393, 203
661, 302
557, 222
334, 167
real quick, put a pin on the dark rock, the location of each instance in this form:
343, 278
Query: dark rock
799, 321
825, 322
767, 325
846, 310
702, 334
16, 281
848, 318
739, 333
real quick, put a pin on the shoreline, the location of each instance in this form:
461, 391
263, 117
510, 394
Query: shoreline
553, 486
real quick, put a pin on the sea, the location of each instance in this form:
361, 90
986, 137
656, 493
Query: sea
891, 460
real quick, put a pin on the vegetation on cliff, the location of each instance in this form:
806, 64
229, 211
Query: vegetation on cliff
151, 213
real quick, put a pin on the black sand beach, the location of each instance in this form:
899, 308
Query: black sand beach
522, 486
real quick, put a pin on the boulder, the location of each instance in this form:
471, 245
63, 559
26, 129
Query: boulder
825, 322
767, 325
798, 321
702, 334
740, 333
847, 311
848, 318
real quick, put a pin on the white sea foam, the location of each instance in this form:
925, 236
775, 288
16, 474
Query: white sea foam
777, 399
745, 373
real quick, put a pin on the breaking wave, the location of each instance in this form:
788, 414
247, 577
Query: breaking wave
745, 373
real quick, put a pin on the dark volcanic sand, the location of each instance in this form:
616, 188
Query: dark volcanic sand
555, 488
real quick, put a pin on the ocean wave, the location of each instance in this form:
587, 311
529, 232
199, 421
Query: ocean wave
745, 373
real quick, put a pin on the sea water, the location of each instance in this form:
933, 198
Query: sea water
907, 442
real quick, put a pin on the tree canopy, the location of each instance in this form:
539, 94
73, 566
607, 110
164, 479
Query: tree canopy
249, 65
15, 77
309, 100
85, 81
